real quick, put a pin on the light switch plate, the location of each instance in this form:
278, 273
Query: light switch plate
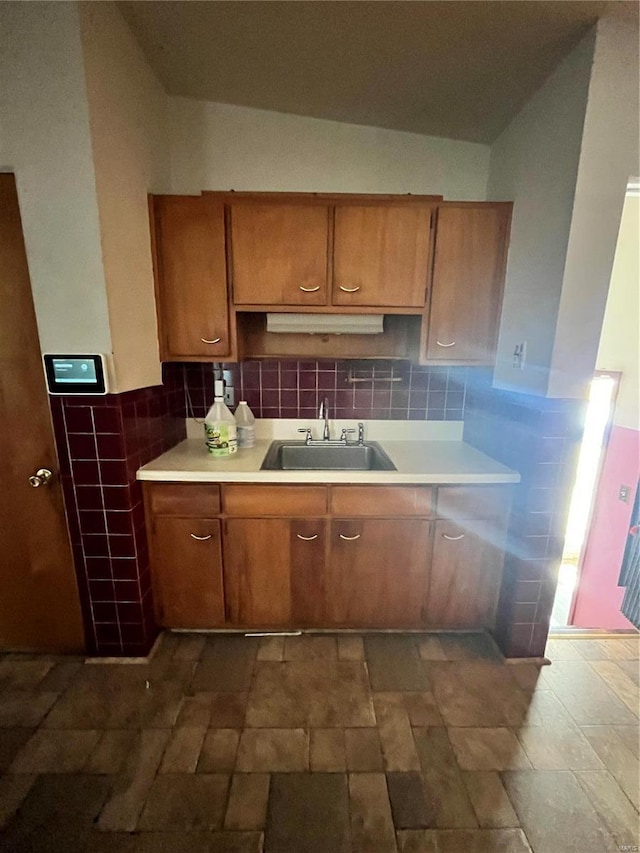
520, 355
623, 494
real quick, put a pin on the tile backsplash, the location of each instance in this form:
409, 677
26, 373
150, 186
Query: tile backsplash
294, 389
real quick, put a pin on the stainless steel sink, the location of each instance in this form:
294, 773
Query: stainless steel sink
299, 456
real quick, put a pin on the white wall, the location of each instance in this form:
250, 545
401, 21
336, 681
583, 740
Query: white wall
127, 112
534, 162
619, 348
45, 140
608, 158
223, 147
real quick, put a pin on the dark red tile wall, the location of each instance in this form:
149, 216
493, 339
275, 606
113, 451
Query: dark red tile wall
540, 438
294, 389
102, 441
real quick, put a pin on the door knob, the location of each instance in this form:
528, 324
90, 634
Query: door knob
40, 478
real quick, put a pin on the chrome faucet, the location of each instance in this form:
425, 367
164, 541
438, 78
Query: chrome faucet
324, 413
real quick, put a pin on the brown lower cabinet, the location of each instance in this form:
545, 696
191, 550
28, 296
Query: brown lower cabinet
187, 572
283, 572
377, 572
466, 571
396, 559
274, 571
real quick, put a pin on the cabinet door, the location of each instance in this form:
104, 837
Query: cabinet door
191, 278
381, 255
466, 571
186, 565
274, 571
468, 277
377, 573
279, 254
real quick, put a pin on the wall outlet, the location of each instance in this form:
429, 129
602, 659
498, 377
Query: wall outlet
623, 494
229, 392
519, 355
227, 378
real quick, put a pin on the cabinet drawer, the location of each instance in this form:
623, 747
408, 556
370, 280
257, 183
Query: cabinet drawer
460, 502
381, 500
274, 500
193, 500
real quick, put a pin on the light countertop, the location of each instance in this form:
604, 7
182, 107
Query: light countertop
431, 461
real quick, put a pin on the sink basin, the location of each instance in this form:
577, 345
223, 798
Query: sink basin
298, 456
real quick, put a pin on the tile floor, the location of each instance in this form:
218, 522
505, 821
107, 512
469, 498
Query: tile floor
321, 744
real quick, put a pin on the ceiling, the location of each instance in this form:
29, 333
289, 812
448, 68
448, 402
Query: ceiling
453, 69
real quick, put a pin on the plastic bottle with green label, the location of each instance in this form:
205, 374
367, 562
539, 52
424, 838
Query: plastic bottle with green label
220, 426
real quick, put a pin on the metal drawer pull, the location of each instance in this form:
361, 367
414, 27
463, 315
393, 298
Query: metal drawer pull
453, 538
350, 538
307, 538
440, 344
309, 289
200, 538
349, 289
216, 341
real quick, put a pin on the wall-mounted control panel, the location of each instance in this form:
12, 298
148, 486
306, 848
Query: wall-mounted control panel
84, 374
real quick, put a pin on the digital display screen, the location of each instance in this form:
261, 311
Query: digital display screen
74, 370
75, 374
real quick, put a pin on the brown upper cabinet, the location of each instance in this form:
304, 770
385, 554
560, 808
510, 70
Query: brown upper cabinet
442, 262
191, 277
319, 253
467, 281
381, 255
279, 253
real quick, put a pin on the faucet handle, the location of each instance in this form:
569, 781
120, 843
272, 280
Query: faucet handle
345, 432
308, 435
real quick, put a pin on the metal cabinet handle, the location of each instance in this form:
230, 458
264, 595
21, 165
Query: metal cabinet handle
309, 289
200, 538
440, 344
349, 289
307, 538
215, 341
40, 478
350, 538
453, 538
